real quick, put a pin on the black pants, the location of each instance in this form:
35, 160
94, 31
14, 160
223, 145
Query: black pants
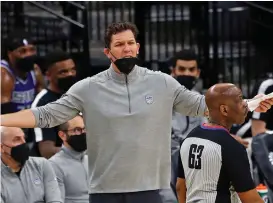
130, 197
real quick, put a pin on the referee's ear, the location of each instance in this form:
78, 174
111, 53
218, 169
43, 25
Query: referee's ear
224, 110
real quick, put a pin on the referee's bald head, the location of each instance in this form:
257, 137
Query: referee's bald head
225, 103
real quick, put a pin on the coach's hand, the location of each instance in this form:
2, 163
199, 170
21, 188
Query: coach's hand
264, 105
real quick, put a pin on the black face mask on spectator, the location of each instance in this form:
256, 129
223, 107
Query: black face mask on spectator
77, 142
65, 83
21, 39
187, 80
25, 64
19, 153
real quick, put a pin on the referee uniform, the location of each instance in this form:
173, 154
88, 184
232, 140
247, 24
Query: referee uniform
210, 160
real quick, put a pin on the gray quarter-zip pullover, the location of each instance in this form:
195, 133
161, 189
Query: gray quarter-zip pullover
128, 122
182, 125
72, 174
36, 183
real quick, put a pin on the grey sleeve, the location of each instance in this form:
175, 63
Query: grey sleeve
2, 201
186, 102
62, 110
60, 178
52, 191
203, 120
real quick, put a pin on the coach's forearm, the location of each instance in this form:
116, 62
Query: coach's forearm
21, 119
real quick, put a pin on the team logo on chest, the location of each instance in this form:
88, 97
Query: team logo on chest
149, 99
37, 181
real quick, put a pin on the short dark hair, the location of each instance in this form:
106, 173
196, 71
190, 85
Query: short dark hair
65, 126
14, 40
115, 28
186, 54
55, 56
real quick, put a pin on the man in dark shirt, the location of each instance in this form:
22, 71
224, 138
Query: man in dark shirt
211, 161
262, 122
262, 130
61, 74
257, 123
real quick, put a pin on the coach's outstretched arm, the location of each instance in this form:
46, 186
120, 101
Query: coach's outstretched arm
186, 102
52, 114
191, 103
21, 119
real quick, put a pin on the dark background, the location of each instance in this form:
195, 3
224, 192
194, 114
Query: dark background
233, 40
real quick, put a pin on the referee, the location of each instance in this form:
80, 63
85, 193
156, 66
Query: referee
127, 111
211, 160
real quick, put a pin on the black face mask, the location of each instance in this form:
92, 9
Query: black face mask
77, 142
20, 153
25, 64
65, 83
187, 81
126, 64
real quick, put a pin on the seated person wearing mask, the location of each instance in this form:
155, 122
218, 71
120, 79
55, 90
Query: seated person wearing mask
25, 179
211, 161
61, 74
21, 78
70, 163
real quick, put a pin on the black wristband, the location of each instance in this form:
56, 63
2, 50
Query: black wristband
7, 108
